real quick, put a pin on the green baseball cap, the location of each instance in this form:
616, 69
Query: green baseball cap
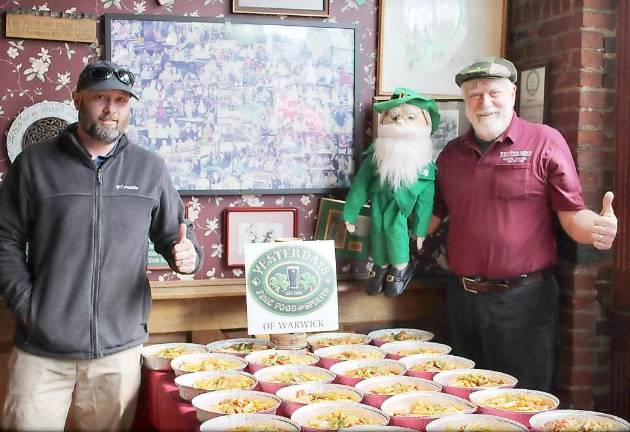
407, 96
489, 67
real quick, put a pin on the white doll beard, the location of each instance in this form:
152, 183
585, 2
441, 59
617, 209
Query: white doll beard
400, 152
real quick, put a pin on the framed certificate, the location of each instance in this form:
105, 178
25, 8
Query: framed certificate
532, 93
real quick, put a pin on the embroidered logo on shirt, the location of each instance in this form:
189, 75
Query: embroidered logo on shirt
515, 156
127, 187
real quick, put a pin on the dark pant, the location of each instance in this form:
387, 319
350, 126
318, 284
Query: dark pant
512, 332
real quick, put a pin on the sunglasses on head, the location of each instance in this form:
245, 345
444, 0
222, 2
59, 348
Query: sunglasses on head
103, 73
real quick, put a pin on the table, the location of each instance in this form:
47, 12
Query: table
159, 406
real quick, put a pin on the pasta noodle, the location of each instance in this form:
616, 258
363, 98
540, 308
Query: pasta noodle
242, 348
296, 378
223, 383
338, 419
356, 355
579, 424
244, 405
369, 372
172, 352
344, 340
211, 363
435, 366
284, 359
520, 402
305, 397
478, 380
426, 408
396, 388
402, 336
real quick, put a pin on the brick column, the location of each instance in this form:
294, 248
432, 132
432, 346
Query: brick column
576, 38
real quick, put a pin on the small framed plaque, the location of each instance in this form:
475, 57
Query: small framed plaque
532, 93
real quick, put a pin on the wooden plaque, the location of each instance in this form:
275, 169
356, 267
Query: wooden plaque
28, 26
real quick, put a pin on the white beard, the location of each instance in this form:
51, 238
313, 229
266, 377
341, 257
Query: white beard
400, 152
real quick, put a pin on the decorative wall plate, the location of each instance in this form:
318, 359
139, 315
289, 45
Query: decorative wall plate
38, 122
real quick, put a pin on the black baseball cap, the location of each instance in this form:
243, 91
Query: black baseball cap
105, 75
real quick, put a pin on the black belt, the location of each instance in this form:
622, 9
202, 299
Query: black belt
480, 285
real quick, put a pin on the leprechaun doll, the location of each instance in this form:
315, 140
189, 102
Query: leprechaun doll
397, 176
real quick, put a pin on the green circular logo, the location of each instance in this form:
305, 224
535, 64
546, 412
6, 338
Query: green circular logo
291, 280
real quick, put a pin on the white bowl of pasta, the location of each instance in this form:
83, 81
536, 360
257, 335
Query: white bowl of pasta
321, 340
378, 389
379, 337
262, 359
196, 383
566, 420
333, 416
198, 362
240, 346
463, 382
474, 422
352, 371
159, 356
249, 423
416, 409
296, 396
515, 404
338, 353
226, 402
273, 378
397, 350
427, 366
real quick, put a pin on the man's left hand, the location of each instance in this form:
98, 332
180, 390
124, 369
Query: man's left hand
604, 227
184, 252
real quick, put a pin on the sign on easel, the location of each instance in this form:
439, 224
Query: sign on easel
291, 287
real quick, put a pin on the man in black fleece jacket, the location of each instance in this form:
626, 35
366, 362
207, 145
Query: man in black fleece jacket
76, 215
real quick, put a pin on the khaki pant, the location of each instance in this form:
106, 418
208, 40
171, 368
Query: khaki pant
97, 395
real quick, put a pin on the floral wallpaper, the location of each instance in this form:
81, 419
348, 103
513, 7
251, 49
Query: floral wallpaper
38, 70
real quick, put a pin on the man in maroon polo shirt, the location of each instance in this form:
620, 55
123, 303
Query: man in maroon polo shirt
500, 184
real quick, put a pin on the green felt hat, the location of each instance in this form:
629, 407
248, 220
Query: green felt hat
407, 96
490, 67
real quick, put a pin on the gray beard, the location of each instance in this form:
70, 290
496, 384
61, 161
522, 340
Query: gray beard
399, 159
103, 134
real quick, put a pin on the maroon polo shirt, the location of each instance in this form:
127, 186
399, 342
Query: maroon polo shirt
501, 203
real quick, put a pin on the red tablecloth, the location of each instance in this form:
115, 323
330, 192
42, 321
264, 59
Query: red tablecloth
159, 406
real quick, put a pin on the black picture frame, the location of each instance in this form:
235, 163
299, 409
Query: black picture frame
238, 106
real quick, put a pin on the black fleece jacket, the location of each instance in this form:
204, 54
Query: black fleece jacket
73, 245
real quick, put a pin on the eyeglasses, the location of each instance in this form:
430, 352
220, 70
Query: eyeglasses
103, 73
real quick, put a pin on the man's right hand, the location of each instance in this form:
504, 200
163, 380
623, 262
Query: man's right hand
350, 227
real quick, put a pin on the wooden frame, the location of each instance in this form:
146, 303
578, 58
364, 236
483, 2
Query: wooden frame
533, 90
424, 46
255, 225
330, 226
315, 8
243, 126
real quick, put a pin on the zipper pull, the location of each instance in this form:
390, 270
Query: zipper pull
99, 177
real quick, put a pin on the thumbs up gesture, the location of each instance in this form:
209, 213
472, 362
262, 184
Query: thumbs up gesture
184, 252
604, 227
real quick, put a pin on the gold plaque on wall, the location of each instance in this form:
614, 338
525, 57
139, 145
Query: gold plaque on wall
49, 27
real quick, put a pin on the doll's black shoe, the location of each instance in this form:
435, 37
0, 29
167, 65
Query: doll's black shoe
397, 280
375, 281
